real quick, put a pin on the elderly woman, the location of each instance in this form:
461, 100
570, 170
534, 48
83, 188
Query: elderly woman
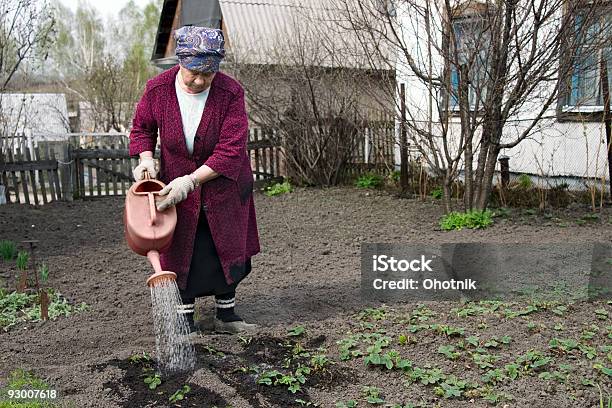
202, 123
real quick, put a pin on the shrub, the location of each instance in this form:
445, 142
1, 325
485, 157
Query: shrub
471, 219
437, 193
278, 189
8, 250
525, 181
369, 180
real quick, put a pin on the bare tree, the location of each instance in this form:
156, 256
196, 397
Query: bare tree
310, 89
26, 27
480, 66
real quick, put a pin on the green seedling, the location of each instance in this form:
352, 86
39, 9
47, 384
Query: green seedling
140, 358
296, 331
22, 260
601, 314
372, 395
153, 381
179, 395
449, 351
43, 272
348, 404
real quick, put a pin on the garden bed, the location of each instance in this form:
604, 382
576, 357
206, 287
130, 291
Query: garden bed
447, 354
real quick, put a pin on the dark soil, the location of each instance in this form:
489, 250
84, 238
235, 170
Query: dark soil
307, 274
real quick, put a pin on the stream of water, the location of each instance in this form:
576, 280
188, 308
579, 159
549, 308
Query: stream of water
175, 351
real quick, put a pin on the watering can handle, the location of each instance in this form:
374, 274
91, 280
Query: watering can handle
152, 209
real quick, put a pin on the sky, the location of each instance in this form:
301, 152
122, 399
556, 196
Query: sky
105, 7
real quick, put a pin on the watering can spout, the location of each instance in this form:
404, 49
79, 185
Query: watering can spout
159, 276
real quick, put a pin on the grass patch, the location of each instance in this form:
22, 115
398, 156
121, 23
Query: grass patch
8, 250
278, 189
471, 219
369, 180
24, 380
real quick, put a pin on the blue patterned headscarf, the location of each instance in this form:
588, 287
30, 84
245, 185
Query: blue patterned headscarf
199, 48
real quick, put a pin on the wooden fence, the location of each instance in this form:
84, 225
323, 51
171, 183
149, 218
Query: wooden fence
88, 166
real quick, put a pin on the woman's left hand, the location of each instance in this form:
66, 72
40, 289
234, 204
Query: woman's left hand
177, 190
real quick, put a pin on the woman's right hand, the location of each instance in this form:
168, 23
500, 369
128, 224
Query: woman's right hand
145, 163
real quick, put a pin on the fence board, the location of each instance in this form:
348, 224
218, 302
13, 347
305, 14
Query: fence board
257, 159
46, 155
56, 178
23, 176
41, 177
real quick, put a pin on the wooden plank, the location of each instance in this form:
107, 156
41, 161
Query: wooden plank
114, 169
22, 165
14, 177
81, 178
56, 177
271, 152
41, 176
46, 156
24, 180
98, 176
263, 154
104, 153
106, 164
32, 176
256, 139
5, 180
90, 177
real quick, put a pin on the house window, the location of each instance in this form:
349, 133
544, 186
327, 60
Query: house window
593, 47
470, 52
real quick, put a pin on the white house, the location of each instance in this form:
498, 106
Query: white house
568, 145
33, 117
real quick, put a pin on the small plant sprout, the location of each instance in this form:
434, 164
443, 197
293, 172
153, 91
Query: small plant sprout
153, 381
43, 271
296, 331
8, 250
140, 358
22, 260
179, 395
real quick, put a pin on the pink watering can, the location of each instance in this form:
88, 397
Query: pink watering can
148, 231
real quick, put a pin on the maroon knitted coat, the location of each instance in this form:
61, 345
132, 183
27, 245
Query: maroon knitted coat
220, 143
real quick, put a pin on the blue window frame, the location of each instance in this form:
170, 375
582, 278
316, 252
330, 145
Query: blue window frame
471, 47
593, 46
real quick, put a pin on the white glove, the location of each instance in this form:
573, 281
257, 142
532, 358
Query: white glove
177, 190
146, 163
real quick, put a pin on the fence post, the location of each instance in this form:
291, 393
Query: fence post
505, 170
66, 167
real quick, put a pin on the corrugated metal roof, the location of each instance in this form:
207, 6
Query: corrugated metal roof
268, 31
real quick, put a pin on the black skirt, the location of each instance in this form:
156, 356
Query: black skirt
206, 276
